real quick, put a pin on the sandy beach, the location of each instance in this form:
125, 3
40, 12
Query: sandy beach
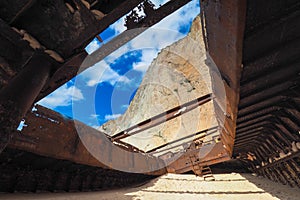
180, 187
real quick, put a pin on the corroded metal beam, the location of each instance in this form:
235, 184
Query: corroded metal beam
224, 31
162, 118
153, 18
67, 71
18, 96
195, 137
109, 19
50, 134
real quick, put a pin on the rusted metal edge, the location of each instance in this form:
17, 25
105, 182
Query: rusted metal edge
111, 18
224, 23
163, 117
53, 135
213, 130
129, 34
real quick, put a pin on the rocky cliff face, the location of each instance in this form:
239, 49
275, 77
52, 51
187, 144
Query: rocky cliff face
178, 75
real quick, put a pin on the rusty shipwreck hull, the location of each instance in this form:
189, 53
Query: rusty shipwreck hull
41, 160
50, 134
254, 44
256, 49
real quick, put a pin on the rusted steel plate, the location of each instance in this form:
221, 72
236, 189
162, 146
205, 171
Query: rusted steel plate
50, 134
224, 31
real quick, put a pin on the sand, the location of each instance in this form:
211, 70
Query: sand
176, 187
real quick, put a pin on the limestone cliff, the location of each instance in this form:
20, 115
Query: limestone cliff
178, 75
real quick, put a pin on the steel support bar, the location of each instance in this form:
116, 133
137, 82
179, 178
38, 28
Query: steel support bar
69, 70
286, 129
162, 118
294, 155
273, 145
267, 62
276, 141
213, 130
109, 19
258, 155
19, 95
274, 78
279, 175
155, 17
66, 72
281, 136
291, 173
265, 103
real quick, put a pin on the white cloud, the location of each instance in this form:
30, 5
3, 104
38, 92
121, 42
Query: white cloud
118, 26
146, 59
181, 17
93, 46
117, 54
94, 116
101, 72
155, 38
157, 3
124, 106
111, 117
63, 96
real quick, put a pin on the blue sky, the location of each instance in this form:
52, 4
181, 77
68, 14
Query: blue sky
104, 91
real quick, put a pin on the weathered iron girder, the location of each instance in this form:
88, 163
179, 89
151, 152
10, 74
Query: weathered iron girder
71, 68
224, 42
17, 97
195, 137
163, 117
129, 34
46, 129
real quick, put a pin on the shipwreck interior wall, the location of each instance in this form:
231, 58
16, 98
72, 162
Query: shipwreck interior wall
254, 44
267, 135
268, 123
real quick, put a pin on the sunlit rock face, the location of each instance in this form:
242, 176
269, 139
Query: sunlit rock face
178, 75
